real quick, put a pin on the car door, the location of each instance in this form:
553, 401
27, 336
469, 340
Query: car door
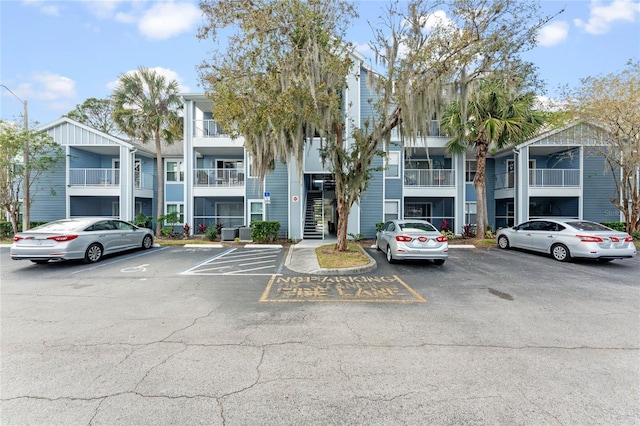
130, 238
385, 234
521, 236
108, 236
543, 235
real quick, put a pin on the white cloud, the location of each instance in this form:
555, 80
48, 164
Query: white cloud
165, 20
553, 34
167, 73
604, 16
45, 7
48, 86
437, 19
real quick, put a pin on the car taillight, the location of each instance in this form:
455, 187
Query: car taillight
615, 239
62, 238
17, 238
629, 239
442, 239
589, 238
403, 238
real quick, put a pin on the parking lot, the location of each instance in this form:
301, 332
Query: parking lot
178, 335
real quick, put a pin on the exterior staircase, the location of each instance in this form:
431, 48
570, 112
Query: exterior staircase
313, 220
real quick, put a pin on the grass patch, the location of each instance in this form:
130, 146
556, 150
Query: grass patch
328, 257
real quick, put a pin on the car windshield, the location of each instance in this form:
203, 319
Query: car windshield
60, 226
416, 226
588, 226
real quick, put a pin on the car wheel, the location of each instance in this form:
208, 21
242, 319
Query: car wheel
438, 261
93, 253
40, 262
147, 242
503, 242
389, 255
560, 252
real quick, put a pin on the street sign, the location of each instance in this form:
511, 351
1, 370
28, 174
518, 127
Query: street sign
267, 197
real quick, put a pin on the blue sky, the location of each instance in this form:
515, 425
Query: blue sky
56, 54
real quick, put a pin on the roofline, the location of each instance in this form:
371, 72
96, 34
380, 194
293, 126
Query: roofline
62, 120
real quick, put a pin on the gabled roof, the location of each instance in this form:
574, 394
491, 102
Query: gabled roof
549, 134
104, 138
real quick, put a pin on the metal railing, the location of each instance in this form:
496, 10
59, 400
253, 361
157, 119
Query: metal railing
539, 178
219, 177
554, 177
429, 177
106, 177
207, 129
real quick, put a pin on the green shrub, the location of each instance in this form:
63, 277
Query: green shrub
356, 237
263, 231
617, 226
212, 232
636, 235
6, 229
379, 226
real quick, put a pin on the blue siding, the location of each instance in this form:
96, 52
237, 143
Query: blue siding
49, 196
79, 158
372, 201
598, 190
277, 183
174, 193
367, 98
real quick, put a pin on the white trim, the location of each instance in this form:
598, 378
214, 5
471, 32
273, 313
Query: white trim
250, 202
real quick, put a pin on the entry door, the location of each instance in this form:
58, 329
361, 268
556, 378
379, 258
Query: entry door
510, 213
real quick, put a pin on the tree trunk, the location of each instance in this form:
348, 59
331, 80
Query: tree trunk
160, 172
479, 183
343, 220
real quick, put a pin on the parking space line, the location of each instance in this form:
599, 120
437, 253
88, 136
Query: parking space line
101, 264
248, 261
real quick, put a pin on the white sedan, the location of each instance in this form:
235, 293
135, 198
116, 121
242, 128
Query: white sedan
568, 238
87, 238
412, 239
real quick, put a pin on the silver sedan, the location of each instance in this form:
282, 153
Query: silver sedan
568, 238
412, 239
88, 239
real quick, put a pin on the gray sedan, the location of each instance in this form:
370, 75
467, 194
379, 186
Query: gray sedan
87, 238
412, 239
568, 238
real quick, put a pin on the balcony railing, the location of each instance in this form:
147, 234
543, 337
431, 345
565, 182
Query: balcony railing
107, 177
539, 178
219, 177
207, 129
554, 177
429, 177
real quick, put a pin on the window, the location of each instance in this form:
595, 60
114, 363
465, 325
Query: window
393, 164
470, 170
470, 212
391, 210
256, 211
418, 211
175, 171
176, 208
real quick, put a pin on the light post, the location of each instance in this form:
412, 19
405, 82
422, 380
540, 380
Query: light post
26, 197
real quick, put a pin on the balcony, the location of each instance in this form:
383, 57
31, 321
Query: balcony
219, 178
207, 129
554, 178
110, 178
542, 178
429, 178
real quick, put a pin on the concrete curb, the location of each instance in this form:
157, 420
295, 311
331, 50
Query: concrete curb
308, 263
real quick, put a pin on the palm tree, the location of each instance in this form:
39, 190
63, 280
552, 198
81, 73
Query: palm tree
494, 118
146, 108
